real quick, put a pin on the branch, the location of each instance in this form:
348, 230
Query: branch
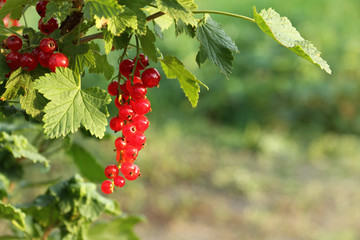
225, 14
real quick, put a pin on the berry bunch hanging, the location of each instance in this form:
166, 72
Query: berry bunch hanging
44, 54
131, 121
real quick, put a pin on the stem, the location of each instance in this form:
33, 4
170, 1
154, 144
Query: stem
10, 30
153, 16
224, 13
137, 57
91, 37
26, 25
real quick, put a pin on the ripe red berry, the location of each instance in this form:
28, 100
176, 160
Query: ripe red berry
126, 66
130, 170
151, 77
138, 91
14, 43
41, 8
141, 122
58, 60
111, 171
13, 60
137, 140
130, 153
141, 106
28, 62
136, 79
128, 130
113, 88
142, 63
116, 124
126, 112
36, 51
44, 58
119, 181
49, 27
48, 45
120, 143
107, 187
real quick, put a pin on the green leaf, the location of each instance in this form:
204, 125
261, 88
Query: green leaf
101, 8
15, 215
15, 7
20, 147
147, 43
4, 186
4, 68
164, 22
71, 106
86, 163
173, 68
136, 7
216, 45
108, 38
79, 56
281, 29
102, 65
18, 80
181, 27
59, 10
33, 102
119, 228
117, 24
179, 9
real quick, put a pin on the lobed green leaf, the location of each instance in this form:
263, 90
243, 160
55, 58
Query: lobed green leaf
15, 215
147, 44
179, 9
14, 7
18, 80
102, 9
59, 10
281, 29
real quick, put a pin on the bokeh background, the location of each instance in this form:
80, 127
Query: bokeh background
271, 153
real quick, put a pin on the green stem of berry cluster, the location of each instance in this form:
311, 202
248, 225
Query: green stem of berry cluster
10, 30
137, 57
225, 14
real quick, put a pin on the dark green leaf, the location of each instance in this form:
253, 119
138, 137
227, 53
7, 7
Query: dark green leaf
216, 45
173, 68
4, 186
119, 228
15, 7
18, 83
86, 163
179, 9
15, 215
59, 10
101, 63
181, 27
147, 43
281, 29
79, 56
4, 68
71, 106
101, 8
33, 102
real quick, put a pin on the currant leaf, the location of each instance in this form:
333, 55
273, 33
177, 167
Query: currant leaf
33, 102
79, 56
18, 83
174, 68
15, 215
147, 43
70, 106
4, 68
136, 7
164, 22
20, 147
4, 186
101, 63
14, 7
216, 45
117, 24
179, 9
86, 163
101, 8
281, 29
59, 10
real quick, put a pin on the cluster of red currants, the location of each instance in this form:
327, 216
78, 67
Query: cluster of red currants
9, 22
49, 26
131, 120
44, 54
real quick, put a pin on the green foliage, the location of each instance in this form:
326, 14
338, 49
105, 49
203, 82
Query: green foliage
86, 163
20, 147
179, 10
101, 63
71, 106
15, 215
4, 186
59, 10
15, 7
4, 68
147, 43
281, 29
18, 82
79, 57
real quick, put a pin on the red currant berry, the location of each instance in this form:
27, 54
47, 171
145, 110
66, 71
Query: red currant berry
125, 112
49, 27
123, 89
119, 181
107, 187
141, 122
58, 60
120, 143
126, 66
28, 62
137, 140
128, 130
36, 51
14, 43
113, 88
116, 124
130, 153
151, 77
141, 106
111, 171
142, 63
138, 91
136, 79
44, 58
130, 170
41, 8
13, 60
117, 102
48, 45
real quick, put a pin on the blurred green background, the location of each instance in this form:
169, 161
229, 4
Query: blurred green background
271, 153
